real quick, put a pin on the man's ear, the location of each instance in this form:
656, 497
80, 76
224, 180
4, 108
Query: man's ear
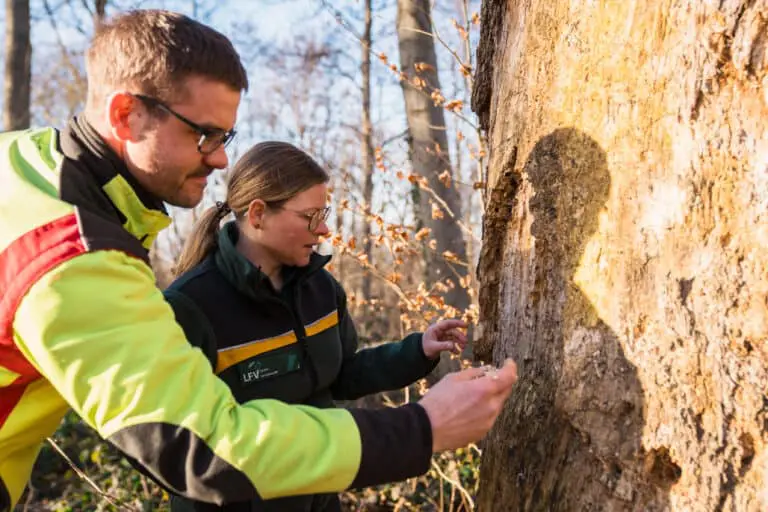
256, 213
125, 115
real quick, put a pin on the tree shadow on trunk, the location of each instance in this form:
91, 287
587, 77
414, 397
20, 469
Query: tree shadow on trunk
570, 436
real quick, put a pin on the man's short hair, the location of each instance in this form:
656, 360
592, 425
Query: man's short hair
153, 52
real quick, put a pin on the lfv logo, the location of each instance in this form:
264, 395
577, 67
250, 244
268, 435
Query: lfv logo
255, 370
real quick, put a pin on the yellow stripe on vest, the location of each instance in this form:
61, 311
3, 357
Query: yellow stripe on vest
324, 323
231, 356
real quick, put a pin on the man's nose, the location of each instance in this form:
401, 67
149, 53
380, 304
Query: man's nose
217, 159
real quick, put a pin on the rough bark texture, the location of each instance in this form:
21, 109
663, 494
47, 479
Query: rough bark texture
625, 257
18, 67
428, 144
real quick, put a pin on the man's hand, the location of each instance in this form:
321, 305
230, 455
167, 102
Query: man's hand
463, 406
444, 335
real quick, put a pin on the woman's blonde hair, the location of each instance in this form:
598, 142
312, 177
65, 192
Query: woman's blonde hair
271, 171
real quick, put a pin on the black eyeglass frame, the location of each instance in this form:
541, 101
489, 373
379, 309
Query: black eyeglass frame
206, 134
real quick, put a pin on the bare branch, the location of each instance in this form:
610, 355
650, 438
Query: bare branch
110, 499
393, 138
63, 48
341, 20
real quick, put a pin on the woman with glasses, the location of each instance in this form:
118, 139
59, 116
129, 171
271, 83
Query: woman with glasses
254, 297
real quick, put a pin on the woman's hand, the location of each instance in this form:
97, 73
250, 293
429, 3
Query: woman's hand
444, 335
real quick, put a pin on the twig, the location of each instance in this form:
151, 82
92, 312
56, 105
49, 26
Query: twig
435, 35
115, 502
393, 138
380, 275
339, 17
342, 22
468, 44
445, 206
64, 53
456, 484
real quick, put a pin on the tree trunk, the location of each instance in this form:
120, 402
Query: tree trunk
99, 12
625, 257
18, 70
428, 145
367, 144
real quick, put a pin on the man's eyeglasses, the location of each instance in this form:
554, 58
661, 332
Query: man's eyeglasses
210, 138
315, 218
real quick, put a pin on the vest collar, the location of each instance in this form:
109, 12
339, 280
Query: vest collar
142, 214
247, 277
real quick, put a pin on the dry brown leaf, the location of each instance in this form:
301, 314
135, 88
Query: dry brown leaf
437, 212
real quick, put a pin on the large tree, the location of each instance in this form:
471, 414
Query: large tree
428, 147
18, 66
625, 257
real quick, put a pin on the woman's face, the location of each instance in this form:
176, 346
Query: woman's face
285, 231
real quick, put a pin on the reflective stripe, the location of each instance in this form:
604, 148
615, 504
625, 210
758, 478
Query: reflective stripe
324, 323
232, 355
22, 263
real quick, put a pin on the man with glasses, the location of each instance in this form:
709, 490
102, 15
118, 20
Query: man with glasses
211, 137
84, 327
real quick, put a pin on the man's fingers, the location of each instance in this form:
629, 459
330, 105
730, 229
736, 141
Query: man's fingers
468, 374
505, 377
501, 380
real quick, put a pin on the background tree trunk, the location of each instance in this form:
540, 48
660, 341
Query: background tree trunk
428, 145
366, 157
625, 257
18, 67
99, 12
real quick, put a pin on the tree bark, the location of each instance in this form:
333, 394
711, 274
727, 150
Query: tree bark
367, 143
18, 67
625, 256
428, 145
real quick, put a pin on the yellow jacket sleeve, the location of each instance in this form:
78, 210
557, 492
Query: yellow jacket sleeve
99, 330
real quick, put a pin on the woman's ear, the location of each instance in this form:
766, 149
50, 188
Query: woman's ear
256, 213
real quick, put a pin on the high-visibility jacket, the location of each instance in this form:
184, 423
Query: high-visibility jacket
83, 326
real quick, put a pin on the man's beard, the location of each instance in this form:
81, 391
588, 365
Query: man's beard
180, 194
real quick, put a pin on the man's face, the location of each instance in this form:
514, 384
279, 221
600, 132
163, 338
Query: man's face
165, 157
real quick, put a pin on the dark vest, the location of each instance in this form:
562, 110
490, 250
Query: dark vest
256, 332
